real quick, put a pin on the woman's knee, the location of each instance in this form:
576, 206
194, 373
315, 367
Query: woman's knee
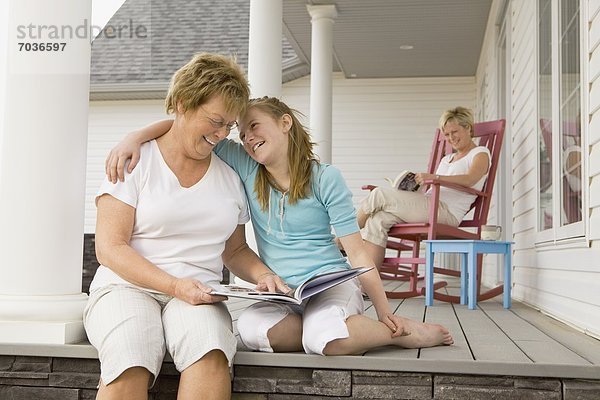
135, 374
214, 360
382, 198
376, 228
373, 202
130, 383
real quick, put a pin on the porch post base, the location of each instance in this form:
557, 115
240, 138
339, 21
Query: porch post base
34, 332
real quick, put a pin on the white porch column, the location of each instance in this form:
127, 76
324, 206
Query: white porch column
321, 68
43, 142
264, 59
264, 47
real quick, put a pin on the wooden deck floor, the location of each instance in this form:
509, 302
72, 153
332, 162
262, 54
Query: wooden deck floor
488, 341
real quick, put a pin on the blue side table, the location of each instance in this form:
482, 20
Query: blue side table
469, 249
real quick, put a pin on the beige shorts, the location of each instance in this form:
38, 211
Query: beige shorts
131, 327
387, 207
323, 318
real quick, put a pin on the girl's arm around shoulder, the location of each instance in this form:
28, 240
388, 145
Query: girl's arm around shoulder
129, 149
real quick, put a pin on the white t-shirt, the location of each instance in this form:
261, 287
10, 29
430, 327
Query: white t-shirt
459, 202
180, 230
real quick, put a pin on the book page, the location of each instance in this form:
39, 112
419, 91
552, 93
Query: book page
315, 285
408, 183
323, 282
252, 294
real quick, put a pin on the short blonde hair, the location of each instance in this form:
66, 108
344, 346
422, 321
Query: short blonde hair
205, 76
463, 116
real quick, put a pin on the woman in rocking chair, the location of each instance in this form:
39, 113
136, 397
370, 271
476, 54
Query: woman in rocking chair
468, 165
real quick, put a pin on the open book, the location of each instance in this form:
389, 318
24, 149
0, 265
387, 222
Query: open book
314, 285
405, 180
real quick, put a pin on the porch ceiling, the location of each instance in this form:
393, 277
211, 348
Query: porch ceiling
446, 36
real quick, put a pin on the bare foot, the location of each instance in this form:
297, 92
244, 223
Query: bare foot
424, 335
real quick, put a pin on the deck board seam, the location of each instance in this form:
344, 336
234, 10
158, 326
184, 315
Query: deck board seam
555, 340
507, 335
423, 320
462, 330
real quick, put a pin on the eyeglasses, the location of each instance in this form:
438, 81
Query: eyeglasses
220, 124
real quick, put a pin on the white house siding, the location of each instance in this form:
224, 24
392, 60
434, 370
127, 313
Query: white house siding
524, 132
561, 279
487, 104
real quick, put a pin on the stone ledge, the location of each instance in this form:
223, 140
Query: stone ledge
366, 363
80, 350
76, 379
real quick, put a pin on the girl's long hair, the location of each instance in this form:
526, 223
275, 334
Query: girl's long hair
300, 155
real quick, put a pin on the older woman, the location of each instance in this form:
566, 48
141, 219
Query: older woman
468, 165
162, 237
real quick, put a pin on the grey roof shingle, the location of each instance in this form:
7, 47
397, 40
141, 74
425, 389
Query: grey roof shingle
146, 41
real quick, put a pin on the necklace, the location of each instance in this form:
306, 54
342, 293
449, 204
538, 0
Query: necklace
460, 154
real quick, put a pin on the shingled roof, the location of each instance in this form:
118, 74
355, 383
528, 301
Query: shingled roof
146, 41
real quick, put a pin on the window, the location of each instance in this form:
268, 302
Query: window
559, 115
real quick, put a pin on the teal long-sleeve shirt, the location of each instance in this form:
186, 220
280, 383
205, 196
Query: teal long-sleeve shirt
295, 240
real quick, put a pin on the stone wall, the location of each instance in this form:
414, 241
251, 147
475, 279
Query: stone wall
90, 263
53, 378
304, 384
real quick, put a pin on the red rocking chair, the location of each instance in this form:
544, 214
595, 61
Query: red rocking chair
408, 237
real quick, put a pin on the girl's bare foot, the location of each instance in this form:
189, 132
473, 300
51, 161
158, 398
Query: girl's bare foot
424, 335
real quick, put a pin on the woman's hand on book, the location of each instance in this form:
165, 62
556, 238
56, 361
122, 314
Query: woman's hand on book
270, 282
194, 292
422, 176
396, 325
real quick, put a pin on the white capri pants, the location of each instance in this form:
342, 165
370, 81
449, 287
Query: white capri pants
323, 318
387, 207
131, 327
